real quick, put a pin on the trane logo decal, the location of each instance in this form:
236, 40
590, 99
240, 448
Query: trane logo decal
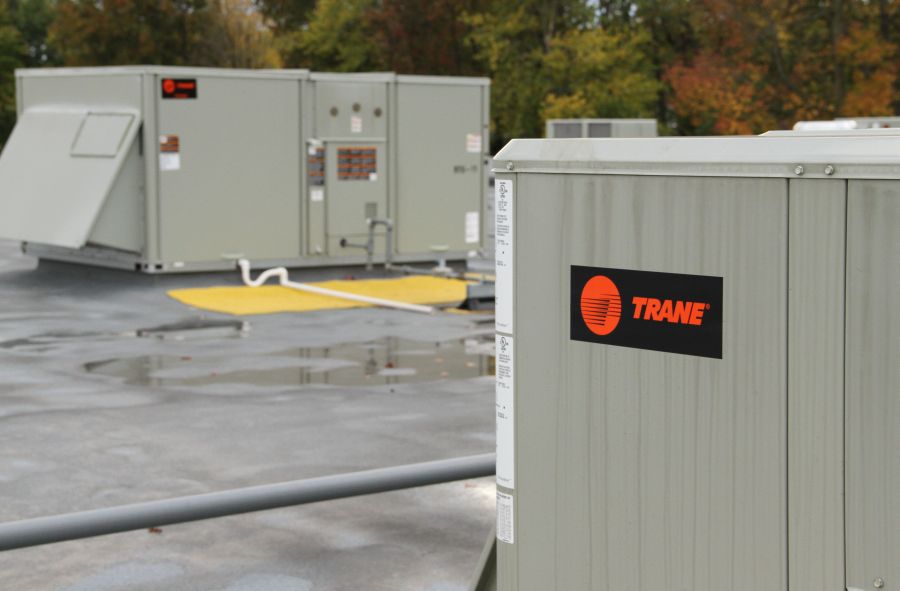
667, 312
179, 88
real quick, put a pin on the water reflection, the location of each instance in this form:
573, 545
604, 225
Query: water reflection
388, 360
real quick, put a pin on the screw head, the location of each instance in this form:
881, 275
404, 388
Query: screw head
878, 582
829, 169
798, 170
509, 166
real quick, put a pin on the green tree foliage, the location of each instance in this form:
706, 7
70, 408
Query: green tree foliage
286, 16
12, 55
555, 59
33, 18
86, 32
699, 66
229, 33
423, 36
596, 73
237, 38
337, 38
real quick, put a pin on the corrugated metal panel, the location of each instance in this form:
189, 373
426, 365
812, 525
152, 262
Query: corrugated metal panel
638, 469
816, 385
873, 384
53, 184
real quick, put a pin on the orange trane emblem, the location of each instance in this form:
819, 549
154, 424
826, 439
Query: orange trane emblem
601, 305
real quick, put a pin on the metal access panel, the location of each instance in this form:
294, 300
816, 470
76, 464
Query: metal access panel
356, 190
351, 135
442, 142
60, 165
872, 421
229, 154
697, 375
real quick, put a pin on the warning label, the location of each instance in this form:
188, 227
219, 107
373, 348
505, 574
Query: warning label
505, 527
357, 164
169, 153
473, 143
315, 166
505, 402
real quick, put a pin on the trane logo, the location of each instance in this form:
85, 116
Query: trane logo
674, 311
601, 307
652, 310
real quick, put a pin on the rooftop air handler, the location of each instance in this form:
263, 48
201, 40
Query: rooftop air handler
698, 364
165, 169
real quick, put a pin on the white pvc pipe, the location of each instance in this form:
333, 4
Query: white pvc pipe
282, 274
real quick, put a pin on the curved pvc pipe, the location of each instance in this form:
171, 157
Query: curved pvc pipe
282, 274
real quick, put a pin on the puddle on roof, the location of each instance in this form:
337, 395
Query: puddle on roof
195, 328
389, 360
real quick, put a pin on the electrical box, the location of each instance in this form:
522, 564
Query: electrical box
599, 128
165, 169
698, 383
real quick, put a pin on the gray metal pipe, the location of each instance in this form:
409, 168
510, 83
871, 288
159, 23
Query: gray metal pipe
98, 522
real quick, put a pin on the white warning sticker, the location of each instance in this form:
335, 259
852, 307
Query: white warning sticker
317, 194
169, 161
355, 124
473, 143
503, 241
505, 528
473, 227
505, 400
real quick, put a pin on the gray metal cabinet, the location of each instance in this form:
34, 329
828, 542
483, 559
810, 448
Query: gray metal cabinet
232, 192
166, 169
772, 467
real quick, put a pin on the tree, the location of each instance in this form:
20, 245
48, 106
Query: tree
227, 33
237, 38
596, 73
558, 59
423, 36
33, 18
338, 37
764, 64
286, 16
129, 31
12, 55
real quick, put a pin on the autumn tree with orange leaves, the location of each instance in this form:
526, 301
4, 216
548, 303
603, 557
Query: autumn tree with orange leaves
698, 66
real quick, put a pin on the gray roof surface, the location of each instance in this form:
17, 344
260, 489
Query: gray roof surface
112, 393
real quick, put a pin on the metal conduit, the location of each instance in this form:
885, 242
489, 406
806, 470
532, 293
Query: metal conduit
98, 522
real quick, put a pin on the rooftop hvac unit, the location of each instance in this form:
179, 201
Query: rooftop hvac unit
698, 383
599, 128
182, 169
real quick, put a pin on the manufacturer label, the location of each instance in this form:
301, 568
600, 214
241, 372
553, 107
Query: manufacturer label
505, 400
473, 226
503, 243
473, 143
179, 88
667, 312
505, 527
